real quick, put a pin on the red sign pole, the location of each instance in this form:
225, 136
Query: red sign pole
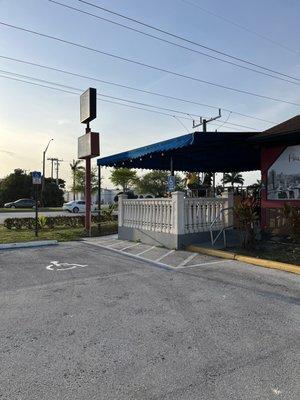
88, 198
88, 146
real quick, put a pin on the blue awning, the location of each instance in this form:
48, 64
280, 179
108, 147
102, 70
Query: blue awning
198, 151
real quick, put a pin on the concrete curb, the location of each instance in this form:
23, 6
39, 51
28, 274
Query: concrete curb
22, 245
261, 262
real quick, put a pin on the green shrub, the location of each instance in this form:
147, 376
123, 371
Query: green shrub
53, 222
42, 221
292, 217
246, 221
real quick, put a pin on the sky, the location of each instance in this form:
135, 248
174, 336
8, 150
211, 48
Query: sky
31, 115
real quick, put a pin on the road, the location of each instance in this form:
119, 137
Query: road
118, 328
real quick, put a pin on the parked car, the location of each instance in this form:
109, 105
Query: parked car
77, 206
21, 203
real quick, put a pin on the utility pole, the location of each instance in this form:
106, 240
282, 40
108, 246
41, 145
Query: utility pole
57, 161
44, 160
203, 121
52, 161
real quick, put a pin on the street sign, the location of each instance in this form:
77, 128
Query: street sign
171, 183
36, 178
88, 105
88, 145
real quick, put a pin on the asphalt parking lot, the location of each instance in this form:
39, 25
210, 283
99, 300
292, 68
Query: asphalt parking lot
80, 321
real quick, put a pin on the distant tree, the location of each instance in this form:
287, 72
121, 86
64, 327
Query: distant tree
80, 180
15, 186
155, 183
130, 195
75, 166
192, 180
255, 188
18, 185
123, 177
208, 178
232, 178
53, 193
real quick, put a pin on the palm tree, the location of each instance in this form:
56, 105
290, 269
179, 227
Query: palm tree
232, 178
75, 166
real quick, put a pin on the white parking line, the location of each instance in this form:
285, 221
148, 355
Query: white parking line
136, 256
129, 247
111, 242
165, 255
184, 262
119, 242
145, 251
207, 263
157, 262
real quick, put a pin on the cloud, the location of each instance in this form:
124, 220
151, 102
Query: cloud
63, 121
9, 153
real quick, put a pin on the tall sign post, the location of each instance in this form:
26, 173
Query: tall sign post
36, 181
88, 146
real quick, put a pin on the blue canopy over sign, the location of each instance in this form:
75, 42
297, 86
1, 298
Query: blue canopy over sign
195, 152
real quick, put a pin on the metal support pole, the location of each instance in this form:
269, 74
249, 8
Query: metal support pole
36, 210
99, 198
204, 125
171, 167
52, 169
88, 195
57, 166
43, 177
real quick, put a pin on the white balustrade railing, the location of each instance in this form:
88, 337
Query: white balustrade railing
148, 214
199, 213
175, 215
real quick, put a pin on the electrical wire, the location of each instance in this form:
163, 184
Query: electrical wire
185, 39
81, 90
114, 98
181, 123
133, 88
172, 43
229, 21
226, 121
148, 65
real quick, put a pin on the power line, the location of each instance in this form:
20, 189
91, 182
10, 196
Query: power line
185, 39
116, 98
181, 123
105, 101
172, 43
133, 88
229, 21
149, 66
224, 122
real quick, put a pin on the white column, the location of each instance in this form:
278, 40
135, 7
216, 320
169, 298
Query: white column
228, 194
121, 197
177, 213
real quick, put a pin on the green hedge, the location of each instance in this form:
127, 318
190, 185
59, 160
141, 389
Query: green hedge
53, 222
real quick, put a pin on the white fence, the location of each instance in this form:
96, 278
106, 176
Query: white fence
176, 215
148, 214
199, 213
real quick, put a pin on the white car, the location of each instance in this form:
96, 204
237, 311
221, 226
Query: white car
77, 206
